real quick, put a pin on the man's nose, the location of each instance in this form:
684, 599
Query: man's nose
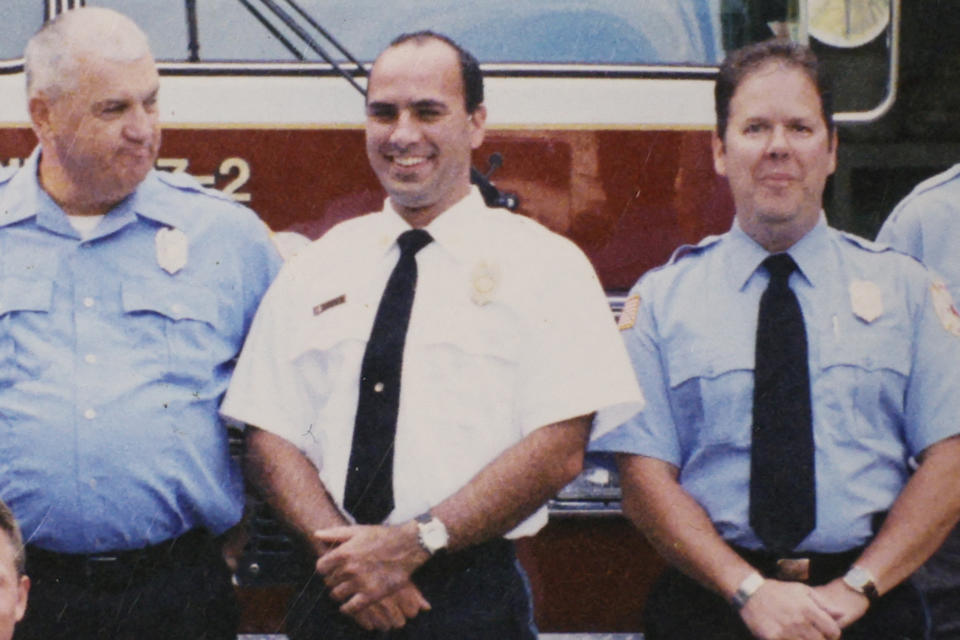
779, 141
406, 131
140, 124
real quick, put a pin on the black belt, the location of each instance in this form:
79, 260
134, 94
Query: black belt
811, 568
119, 568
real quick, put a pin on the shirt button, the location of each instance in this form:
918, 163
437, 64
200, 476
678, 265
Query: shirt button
90, 358
89, 414
88, 302
377, 388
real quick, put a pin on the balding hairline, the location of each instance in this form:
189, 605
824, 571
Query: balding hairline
54, 54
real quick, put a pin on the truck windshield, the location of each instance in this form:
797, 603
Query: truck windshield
609, 32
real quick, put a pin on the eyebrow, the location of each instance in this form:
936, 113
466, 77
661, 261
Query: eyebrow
419, 104
117, 101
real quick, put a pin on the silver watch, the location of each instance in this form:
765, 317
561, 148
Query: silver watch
861, 581
431, 533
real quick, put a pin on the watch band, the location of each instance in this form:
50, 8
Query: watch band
750, 585
863, 582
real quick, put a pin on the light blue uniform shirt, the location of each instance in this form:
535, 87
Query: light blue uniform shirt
882, 373
926, 225
112, 368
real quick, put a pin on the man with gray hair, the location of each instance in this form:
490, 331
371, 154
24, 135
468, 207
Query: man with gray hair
126, 293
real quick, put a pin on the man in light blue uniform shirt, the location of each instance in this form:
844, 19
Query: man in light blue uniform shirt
926, 225
125, 294
881, 347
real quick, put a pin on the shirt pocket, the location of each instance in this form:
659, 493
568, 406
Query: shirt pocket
711, 390
181, 321
328, 351
24, 313
470, 369
863, 383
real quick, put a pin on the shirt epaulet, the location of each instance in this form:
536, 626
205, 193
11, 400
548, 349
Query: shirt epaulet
863, 243
935, 181
186, 182
691, 249
7, 173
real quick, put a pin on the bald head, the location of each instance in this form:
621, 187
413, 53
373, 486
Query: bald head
55, 54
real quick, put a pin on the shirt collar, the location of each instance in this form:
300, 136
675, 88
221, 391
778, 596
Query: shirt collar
25, 198
157, 201
454, 229
746, 254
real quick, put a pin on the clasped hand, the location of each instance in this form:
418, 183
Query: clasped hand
795, 611
368, 569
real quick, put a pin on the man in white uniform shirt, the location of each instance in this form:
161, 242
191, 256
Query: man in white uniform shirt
509, 352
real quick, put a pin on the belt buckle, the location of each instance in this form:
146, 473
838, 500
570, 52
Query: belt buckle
793, 569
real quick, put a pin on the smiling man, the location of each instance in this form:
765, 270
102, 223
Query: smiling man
125, 294
408, 488
793, 374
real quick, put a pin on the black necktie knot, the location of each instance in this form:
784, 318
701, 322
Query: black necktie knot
780, 266
413, 240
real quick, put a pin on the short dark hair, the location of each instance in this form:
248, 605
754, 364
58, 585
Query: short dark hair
8, 524
469, 67
741, 63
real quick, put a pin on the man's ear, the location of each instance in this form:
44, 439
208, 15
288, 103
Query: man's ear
478, 121
39, 108
23, 591
719, 159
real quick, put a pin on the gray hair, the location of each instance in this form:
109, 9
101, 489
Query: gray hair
8, 524
54, 54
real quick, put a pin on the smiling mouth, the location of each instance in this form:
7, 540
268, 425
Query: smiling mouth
778, 180
409, 161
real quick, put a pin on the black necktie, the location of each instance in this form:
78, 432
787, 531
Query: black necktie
369, 491
782, 484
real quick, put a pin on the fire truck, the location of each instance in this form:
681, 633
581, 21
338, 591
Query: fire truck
600, 117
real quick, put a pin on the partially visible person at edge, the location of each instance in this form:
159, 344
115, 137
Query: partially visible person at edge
926, 225
126, 294
793, 375
14, 583
509, 350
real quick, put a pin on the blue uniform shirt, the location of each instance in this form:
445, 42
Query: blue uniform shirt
112, 367
882, 373
926, 224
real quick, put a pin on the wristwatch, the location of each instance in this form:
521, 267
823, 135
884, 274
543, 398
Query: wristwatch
431, 533
862, 581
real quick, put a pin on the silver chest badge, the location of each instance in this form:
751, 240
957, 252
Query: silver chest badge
172, 249
866, 298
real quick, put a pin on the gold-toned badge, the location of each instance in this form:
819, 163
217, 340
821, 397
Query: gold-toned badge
172, 249
943, 304
866, 298
628, 317
484, 281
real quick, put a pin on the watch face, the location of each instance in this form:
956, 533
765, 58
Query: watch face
857, 578
433, 535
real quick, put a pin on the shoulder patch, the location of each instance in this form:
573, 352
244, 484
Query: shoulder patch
185, 182
628, 316
685, 250
943, 305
